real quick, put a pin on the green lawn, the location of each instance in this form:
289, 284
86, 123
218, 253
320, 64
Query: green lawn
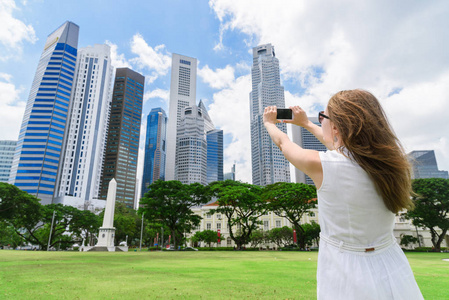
183, 275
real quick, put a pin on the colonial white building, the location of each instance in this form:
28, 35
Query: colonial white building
216, 221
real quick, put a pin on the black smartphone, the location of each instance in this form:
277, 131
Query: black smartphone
284, 114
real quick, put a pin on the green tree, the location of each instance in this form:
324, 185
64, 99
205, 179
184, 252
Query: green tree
311, 233
291, 201
68, 226
18, 208
408, 239
258, 237
431, 207
170, 203
242, 204
280, 236
207, 236
9, 237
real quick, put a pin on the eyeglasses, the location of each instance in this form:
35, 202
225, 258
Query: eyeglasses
322, 116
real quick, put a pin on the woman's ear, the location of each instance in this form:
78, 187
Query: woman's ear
335, 131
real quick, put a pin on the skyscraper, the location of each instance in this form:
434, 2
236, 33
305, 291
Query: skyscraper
191, 149
182, 95
268, 163
41, 138
306, 140
7, 149
86, 131
122, 144
230, 175
155, 147
425, 165
214, 155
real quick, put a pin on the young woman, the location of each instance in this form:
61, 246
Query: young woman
363, 180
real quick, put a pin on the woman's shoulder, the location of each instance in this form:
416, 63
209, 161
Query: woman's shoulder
333, 155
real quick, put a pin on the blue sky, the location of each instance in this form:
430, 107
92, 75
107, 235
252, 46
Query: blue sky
395, 49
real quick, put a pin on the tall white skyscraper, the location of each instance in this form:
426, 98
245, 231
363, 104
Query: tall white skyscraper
268, 163
306, 140
86, 135
191, 150
182, 95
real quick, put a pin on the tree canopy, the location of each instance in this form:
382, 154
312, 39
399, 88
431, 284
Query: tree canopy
431, 207
291, 201
170, 203
242, 204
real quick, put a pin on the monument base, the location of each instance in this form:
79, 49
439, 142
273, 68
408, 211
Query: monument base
105, 249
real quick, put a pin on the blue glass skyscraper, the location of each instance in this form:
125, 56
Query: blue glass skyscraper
155, 147
214, 155
40, 143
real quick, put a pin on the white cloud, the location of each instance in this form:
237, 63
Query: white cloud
13, 32
117, 60
157, 60
381, 46
229, 112
157, 93
11, 108
218, 79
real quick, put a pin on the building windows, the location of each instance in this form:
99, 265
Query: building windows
278, 223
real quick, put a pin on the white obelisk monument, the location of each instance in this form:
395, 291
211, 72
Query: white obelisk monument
107, 231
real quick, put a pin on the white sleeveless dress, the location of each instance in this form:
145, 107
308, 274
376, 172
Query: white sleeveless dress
358, 257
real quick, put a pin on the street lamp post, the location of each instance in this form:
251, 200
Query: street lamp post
51, 230
141, 233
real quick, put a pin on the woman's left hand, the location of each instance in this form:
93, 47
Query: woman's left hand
270, 115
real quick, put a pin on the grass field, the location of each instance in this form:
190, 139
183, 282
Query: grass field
183, 275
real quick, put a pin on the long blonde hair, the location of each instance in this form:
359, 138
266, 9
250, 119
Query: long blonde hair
366, 133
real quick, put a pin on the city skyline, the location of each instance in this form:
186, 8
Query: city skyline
399, 56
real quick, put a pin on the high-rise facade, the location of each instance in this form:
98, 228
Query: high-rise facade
155, 147
306, 140
86, 132
41, 139
182, 95
7, 149
191, 148
123, 136
214, 140
424, 165
268, 163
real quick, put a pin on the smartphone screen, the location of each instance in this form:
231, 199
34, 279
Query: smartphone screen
284, 114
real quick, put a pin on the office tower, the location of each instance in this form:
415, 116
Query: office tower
268, 163
7, 149
86, 132
230, 175
214, 140
306, 140
41, 138
182, 95
155, 143
191, 149
123, 133
424, 165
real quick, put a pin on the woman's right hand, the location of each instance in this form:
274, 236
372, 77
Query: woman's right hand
299, 117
